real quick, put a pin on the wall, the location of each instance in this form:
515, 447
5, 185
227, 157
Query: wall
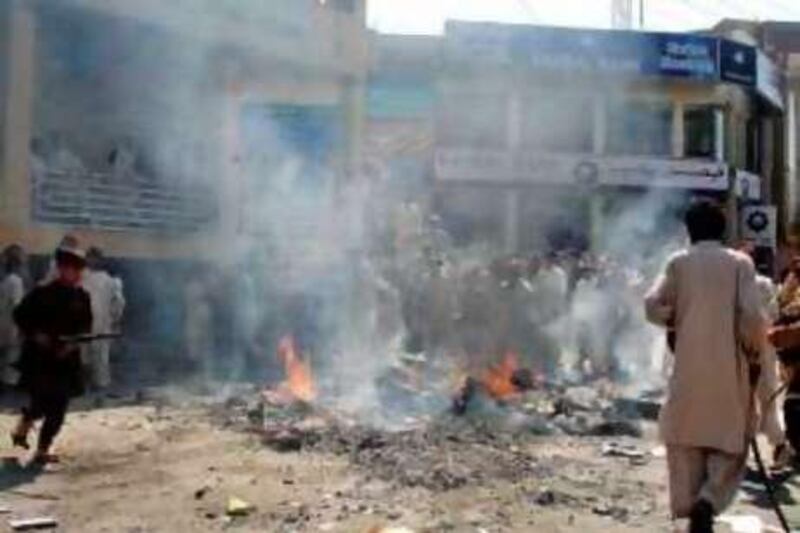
5, 32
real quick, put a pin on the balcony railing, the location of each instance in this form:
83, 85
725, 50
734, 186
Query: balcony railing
96, 200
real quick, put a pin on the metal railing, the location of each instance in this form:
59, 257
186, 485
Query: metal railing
97, 200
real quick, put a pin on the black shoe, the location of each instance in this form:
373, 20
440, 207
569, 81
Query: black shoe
701, 519
20, 441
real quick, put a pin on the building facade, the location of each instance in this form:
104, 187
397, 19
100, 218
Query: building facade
150, 117
780, 41
553, 132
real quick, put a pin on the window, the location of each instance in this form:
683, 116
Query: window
639, 128
754, 133
557, 123
699, 136
474, 121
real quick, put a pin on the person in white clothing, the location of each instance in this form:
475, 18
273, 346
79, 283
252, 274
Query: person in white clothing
122, 161
108, 304
37, 160
61, 159
12, 290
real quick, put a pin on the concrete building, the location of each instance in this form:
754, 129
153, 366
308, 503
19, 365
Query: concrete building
158, 109
152, 129
401, 108
780, 41
554, 132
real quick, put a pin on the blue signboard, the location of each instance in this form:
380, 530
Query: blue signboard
681, 55
592, 51
737, 63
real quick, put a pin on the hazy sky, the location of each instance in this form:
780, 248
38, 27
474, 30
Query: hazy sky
428, 16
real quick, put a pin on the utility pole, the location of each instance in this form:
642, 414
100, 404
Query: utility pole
622, 14
641, 14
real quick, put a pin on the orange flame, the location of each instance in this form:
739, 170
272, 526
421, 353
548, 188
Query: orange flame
497, 380
299, 380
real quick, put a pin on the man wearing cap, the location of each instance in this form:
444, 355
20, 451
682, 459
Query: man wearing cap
50, 365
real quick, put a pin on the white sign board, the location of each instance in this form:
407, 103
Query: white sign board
748, 185
668, 173
498, 166
758, 224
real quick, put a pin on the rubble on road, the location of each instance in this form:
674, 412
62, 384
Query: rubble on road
617, 449
485, 443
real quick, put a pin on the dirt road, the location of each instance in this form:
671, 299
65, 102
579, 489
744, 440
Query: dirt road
148, 469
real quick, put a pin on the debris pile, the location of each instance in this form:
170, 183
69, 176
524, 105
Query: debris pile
484, 442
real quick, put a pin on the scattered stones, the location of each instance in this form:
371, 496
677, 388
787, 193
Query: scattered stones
488, 446
545, 497
647, 409
238, 507
394, 515
616, 428
284, 439
578, 399
616, 449
613, 511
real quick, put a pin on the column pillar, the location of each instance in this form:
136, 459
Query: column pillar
719, 135
678, 142
599, 126
790, 161
767, 149
512, 204
18, 104
512, 195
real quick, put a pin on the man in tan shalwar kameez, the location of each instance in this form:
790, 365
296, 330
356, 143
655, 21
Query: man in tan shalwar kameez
707, 419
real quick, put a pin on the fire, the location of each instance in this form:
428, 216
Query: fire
299, 380
497, 381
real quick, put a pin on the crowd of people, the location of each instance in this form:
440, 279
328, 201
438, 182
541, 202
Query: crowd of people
562, 313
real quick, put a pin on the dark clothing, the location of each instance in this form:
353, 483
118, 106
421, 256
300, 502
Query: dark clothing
53, 409
50, 371
54, 311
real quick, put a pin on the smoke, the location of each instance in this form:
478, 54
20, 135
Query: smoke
315, 250
634, 245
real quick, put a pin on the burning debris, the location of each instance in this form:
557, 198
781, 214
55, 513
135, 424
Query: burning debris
299, 385
481, 439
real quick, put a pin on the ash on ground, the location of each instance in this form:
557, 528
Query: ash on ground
492, 442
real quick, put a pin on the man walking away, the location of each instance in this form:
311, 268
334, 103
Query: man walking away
708, 294
107, 305
12, 289
50, 365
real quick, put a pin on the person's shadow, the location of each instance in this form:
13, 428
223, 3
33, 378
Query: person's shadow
14, 474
